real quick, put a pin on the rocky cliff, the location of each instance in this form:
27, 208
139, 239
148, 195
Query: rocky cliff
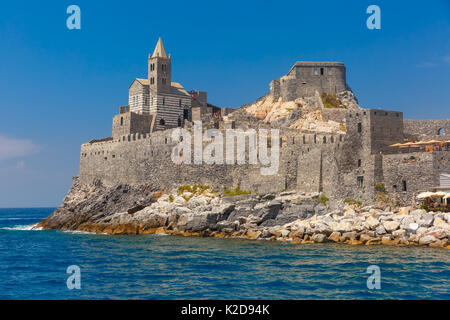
286, 216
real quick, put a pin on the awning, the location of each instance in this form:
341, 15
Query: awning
425, 195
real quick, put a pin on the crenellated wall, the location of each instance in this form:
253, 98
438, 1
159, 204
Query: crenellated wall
427, 129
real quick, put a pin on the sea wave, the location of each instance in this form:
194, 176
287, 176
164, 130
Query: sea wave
78, 232
29, 227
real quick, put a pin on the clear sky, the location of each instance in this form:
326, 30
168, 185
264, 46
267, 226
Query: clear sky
60, 88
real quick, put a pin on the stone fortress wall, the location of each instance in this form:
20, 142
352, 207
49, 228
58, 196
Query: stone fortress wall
427, 129
345, 165
339, 165
305, 78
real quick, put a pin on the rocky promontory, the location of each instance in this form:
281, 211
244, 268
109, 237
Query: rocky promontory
284, 216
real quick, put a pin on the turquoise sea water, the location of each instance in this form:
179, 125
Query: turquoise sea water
33, 266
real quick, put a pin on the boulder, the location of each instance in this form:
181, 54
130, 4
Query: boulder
319, 238
335, 236
417, 213
253, 234
371, 222
404, 210
391, 225
285, 233
426, 221
343, 226
399, 233
439, 222
380, 230
412, 227
349, 235
427, 240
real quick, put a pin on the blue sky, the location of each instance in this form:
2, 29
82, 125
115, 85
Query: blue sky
60, 88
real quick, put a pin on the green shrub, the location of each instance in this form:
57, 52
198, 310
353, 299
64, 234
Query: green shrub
380, 187
331, 101
353, 202
236, 192
323, 199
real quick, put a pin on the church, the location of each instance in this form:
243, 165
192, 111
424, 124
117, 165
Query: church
157, 103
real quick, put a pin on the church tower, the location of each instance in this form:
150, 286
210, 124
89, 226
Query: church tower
159, 70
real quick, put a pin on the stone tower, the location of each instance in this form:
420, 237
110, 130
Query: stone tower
159, 70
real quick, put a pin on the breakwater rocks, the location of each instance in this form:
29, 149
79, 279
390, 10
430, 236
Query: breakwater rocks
285, 216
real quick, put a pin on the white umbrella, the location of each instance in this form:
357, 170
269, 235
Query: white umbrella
425, 195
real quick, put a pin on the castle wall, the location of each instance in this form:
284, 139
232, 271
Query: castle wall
131, 123
305, 78
427, 129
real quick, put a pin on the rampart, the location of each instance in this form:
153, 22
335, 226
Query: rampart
427, 129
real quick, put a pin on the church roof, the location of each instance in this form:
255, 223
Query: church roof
159, 50
142, 81
176, 88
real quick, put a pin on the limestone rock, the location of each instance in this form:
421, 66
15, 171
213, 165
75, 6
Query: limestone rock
334, 236
319, 238
391, 225
427, 240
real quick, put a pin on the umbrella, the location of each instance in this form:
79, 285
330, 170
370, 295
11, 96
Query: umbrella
439, 194
425, 195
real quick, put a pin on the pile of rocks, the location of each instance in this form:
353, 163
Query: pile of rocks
286, 216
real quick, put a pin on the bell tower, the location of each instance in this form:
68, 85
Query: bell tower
159, 70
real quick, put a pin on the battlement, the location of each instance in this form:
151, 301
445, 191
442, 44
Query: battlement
305, 78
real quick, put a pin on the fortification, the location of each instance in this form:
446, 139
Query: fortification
305, 78
356, 162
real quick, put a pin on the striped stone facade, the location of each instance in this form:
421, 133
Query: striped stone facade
157, 95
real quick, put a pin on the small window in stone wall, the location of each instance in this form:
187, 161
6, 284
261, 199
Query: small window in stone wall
324, 140
359, 127
162, 122
360, 181
404, 185
121, 121
164, 101
441, 132
359, 163
304, 140
322, 71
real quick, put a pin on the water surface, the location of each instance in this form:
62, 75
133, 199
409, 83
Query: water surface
33, 266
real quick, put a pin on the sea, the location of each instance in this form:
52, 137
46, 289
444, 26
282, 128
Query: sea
38, 264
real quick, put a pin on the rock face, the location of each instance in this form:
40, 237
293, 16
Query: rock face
286, 216
307, 113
